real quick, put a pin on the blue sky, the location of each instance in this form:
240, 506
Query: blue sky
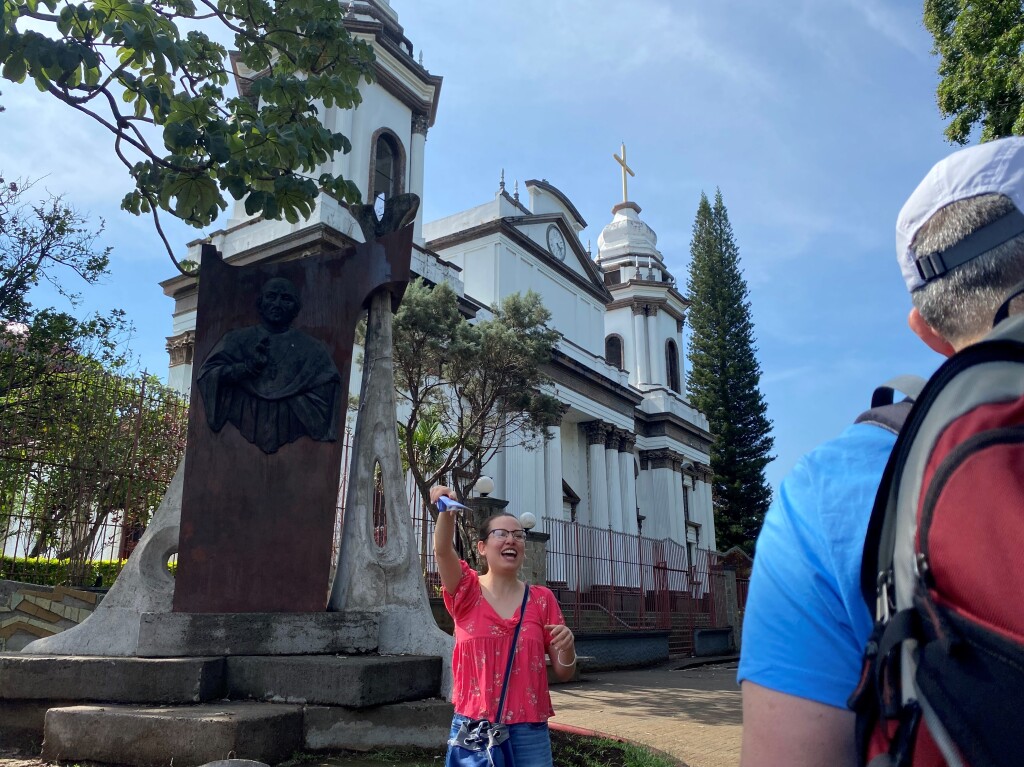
815, 118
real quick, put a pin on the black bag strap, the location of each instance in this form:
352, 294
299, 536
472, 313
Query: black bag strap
892, 416
885, 411
512, 654
909, 385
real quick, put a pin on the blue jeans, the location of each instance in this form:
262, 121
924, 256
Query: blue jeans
531, 743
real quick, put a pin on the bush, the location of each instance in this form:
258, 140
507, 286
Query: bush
63, 572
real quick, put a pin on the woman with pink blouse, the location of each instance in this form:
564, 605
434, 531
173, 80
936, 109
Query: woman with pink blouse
486, 610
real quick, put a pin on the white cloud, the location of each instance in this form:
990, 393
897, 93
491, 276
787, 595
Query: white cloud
579, 44
896, 25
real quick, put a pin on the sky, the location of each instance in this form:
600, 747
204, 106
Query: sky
815, 119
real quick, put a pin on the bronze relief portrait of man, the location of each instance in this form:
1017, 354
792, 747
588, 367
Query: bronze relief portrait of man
272, 382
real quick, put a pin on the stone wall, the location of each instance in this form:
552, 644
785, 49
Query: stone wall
622, 650
29, 612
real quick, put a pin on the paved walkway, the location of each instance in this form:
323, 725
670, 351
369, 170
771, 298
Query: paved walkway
691, 712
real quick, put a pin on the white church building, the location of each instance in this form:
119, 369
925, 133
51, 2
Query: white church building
629, 450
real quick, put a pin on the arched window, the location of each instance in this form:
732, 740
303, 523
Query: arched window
613, 351
387, 166
672, 366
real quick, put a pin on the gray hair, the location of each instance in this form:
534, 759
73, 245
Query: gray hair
960, 305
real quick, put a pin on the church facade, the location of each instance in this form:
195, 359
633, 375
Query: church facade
630, 454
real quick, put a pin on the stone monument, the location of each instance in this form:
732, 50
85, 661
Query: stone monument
251, 515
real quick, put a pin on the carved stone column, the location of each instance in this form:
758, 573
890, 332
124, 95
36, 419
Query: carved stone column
677, 524
642, 364
553, 474
702, 508
627, 483
180, 350
417, 152
598, 474
611, 457
655, 353
659, 464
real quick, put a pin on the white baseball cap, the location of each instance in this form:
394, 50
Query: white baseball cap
996, 167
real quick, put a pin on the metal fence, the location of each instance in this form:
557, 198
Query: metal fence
612, 581
607, 581
85, 459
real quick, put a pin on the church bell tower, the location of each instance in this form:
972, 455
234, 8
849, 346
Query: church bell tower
644, 322
388, 132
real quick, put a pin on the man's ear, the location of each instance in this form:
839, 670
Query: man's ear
935, 340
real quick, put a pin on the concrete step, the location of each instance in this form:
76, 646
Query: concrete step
417, 724
354, 681
185, 736
124, 680
21, 724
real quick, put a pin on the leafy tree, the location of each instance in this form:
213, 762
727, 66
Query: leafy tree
80, 445
468, 389
981, 49
150, 73
84, 452
725, 376
47, 240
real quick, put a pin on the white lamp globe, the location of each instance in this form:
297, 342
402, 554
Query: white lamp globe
484, 486
527, 520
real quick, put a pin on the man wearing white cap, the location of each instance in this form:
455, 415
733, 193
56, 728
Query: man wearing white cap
960, 247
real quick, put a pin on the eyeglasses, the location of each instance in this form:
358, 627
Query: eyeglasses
502, 534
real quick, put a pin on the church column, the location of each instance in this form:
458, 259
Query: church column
682, 355
662, 493
597, 479
677, 525
180, 348
611, 458
495, 469
552, 475
703, 499
627, 483
417, 153
640, 345
655, 350
522, 468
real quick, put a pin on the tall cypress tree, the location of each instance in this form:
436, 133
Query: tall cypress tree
725, 376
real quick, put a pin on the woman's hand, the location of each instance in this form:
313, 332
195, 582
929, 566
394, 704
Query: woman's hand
445, 556
563, 644
441, 490
562, 649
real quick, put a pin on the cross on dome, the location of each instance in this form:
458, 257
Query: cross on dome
625, 169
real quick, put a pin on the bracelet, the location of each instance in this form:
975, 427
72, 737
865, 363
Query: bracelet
558, 657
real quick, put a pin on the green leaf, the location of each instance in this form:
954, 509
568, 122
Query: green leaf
14, 70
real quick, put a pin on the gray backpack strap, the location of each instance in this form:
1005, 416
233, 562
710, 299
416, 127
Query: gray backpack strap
885, 412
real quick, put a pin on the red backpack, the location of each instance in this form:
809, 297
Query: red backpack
943, 569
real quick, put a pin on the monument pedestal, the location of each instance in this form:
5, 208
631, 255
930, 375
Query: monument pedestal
146, 711
169, 635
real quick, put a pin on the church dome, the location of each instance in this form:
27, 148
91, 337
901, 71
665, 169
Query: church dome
627, 235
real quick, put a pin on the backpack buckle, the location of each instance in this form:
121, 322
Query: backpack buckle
884, 605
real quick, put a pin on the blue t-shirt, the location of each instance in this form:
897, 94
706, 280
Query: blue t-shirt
806, 623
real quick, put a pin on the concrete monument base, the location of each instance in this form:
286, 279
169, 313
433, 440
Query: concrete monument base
198, 710
169, 635
152, 737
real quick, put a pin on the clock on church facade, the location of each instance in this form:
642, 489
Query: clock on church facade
556, 242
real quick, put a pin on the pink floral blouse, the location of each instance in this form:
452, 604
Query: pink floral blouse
482, 641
